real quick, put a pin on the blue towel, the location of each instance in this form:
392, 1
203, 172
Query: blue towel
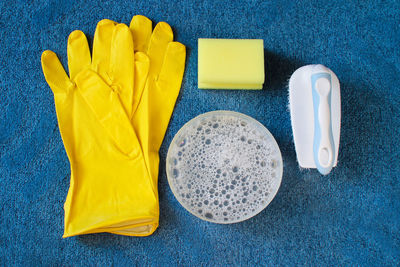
350, 217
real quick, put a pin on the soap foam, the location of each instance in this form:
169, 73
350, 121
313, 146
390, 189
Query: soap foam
224, 167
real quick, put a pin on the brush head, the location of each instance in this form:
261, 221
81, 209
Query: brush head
224, 167
315, 111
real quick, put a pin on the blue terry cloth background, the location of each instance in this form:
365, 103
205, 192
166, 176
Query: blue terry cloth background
350, 217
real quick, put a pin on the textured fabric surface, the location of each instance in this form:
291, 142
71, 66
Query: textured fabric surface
351, 216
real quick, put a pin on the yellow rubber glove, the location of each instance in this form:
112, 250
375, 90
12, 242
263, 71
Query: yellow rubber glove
110, 188
151, 116
167, 64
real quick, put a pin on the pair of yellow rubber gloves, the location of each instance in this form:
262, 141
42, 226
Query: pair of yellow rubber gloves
113, 111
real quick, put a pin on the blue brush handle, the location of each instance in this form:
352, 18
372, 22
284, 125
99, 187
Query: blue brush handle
323, 147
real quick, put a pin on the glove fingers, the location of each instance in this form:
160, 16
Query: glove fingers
171, 72
141, 28
102, 47
142, 64
121, 70
78, 53
161, 37
158, 99
106, 106
54, 73
169, 83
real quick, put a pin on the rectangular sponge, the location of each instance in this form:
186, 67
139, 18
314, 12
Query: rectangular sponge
231, 63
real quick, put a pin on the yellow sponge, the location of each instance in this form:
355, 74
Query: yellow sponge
231, 63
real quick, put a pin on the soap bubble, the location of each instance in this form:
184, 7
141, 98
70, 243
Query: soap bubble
182, 142
175, 173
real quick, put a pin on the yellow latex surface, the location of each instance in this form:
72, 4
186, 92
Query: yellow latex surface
230, 63
110, 129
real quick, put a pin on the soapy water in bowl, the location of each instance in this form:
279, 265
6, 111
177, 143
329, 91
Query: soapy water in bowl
224, 167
